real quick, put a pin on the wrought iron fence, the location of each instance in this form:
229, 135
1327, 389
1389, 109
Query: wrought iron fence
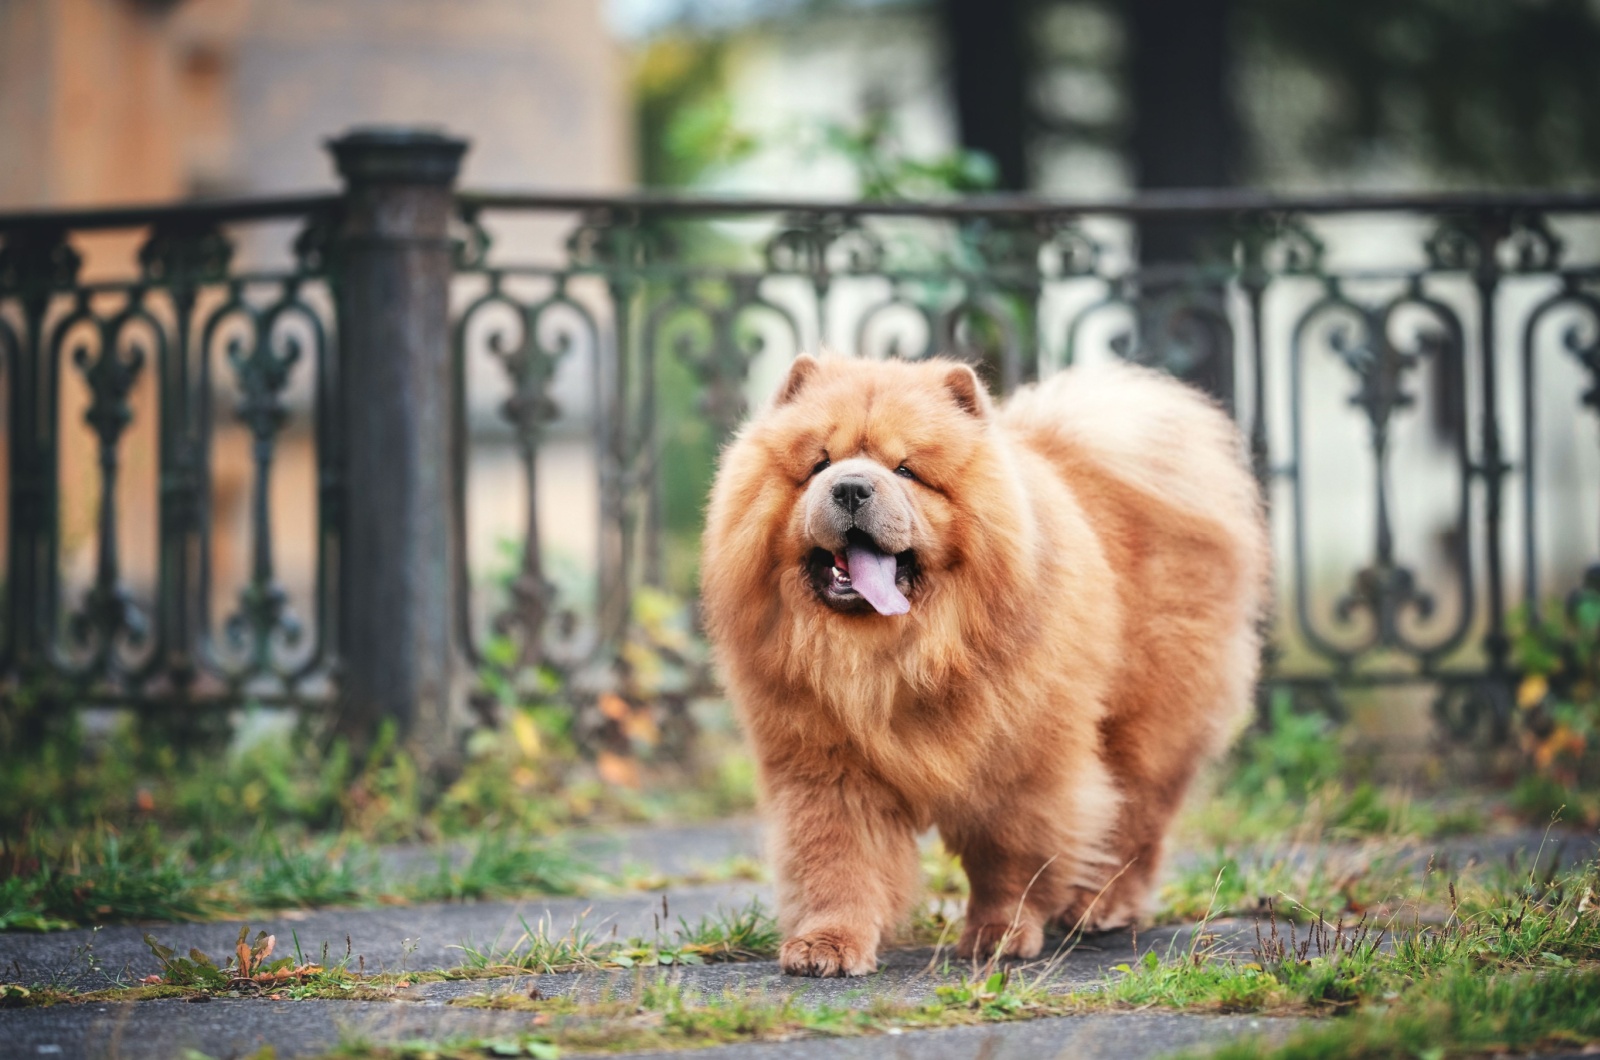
185, 329
1419, 379
1410, 334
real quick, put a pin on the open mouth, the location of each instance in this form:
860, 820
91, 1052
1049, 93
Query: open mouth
862, 577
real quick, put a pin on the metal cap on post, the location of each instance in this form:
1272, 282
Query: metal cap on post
395, 431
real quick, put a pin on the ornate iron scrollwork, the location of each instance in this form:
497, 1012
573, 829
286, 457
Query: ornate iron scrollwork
472, 248
1518, 241
1067, 251
36, 260
1364, 340
313, 245
719, 351
1530, 245
1004, 250
263, 374
822, 244
108, 611
181, 255
545, 333
618, 238
1276, 244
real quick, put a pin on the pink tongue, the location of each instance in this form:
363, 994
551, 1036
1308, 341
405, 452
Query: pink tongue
872, 575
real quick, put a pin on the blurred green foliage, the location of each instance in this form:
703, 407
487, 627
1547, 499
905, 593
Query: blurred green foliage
885, 170
683, 113
1295, 754
1558, 703
1481, 90
1300, 775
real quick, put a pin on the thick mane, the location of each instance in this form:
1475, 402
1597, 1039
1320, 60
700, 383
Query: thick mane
862, 666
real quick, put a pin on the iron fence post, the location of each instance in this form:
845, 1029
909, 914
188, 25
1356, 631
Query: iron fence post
395, 422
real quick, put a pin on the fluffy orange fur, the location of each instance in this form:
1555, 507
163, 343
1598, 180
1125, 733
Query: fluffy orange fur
1085, 569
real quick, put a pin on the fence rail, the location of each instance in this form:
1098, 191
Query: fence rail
1467, 298
1419, 378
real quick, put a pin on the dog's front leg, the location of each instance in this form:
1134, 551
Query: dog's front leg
847, 869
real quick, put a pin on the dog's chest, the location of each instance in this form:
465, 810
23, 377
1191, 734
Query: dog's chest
923, 755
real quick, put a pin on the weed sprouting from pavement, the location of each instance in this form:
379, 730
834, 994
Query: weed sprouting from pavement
320, 874
503, 866
539, 950
741, 934
748, 933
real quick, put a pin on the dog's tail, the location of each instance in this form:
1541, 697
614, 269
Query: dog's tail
1152, 432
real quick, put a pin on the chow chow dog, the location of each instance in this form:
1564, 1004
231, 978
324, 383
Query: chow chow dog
1026, 625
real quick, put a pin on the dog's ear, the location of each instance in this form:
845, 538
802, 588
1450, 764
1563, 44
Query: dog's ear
968, 390
804, 367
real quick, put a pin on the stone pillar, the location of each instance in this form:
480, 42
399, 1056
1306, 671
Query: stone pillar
396, 429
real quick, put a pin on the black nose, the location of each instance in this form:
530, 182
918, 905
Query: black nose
851, 492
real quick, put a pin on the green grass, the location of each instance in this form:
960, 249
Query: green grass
1302, 780
502, 868
739, 935
1300, 837
662, 1014
1380, 876
658, 1016
115, 828
1463, 1013
103, 876
530, 778
316, 873
1513, 967
1327, 966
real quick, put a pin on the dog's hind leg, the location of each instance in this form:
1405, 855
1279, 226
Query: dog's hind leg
1024, 857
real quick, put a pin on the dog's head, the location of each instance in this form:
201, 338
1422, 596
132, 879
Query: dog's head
859, 477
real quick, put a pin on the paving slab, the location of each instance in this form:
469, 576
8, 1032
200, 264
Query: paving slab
391, 938
162, 1030
1133, 1036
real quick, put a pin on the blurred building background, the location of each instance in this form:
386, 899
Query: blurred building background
148, 100
142, 101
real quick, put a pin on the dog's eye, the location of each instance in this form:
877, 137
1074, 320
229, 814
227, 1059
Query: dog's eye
905, 472
820, 466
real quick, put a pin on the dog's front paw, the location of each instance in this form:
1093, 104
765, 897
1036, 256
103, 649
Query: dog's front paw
1012, 939
828, 952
